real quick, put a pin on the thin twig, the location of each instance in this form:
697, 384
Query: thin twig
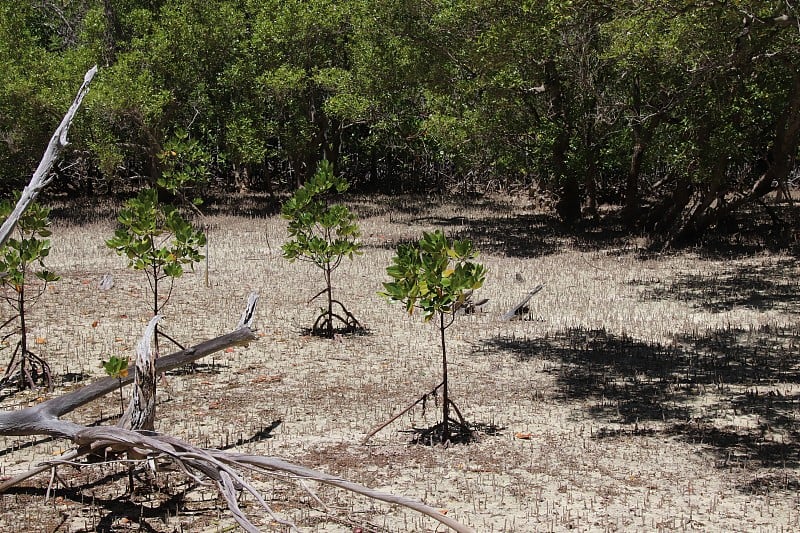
379, 427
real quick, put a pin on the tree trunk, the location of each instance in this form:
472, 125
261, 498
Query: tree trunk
241, 178
24, 361
141, 411
155, 301
590, 150
330, 300
445, 391
631, 210
110, 33
568, 205
715, 205
664, 215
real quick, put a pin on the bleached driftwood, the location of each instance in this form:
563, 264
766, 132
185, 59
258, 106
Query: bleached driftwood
41, 177
141, 411
106, 282
518, 309
249, 313
42, 419
223, 469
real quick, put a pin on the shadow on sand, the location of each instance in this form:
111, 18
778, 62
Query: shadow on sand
648, 388
772, 286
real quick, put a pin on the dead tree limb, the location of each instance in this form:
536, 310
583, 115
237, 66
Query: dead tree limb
518, 309
224, 469
394, 417
468, 306
41, 177
246, 320
42, 419
141, 411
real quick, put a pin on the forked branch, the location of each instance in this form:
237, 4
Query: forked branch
224, 469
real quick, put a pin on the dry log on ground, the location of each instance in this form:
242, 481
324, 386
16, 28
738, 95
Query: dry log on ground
42, 419
224, 469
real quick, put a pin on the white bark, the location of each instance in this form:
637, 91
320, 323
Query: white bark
141, 411
42, 175
249, 313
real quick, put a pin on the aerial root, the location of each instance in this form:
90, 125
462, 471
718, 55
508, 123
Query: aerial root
324, 324
26, 368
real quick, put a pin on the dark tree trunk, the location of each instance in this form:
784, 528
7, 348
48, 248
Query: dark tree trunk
662, 216
110, 33
329, 291
568, 206
24, 362
567, 187
641, 134
632, 208
717, 203
445, 391
591, 166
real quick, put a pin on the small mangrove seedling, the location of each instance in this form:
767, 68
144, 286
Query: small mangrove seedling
24, 280
436, 277
158, 241
117, 367
323, 234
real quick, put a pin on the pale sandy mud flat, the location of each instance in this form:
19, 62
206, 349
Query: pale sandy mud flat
651, 392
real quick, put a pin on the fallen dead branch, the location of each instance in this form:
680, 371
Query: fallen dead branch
422, 399
521, 307
226, 470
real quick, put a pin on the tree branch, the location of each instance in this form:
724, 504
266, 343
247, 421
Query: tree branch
41, 177
43, 418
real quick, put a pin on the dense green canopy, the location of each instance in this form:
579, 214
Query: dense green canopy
683, 112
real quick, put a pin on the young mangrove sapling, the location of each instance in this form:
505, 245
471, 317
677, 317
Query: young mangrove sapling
322, 234
437, 277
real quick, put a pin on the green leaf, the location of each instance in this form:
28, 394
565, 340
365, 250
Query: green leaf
116, 367
433, 274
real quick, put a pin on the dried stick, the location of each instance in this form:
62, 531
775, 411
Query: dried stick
224, 469
141, 411
511, 313
379, 427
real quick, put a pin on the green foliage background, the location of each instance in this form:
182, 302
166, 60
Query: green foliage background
592, 101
